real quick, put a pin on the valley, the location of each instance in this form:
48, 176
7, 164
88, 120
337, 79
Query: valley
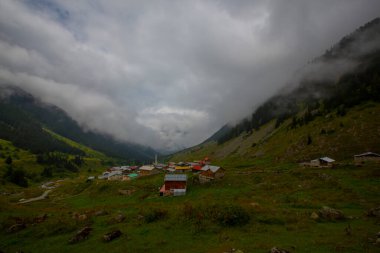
264, 200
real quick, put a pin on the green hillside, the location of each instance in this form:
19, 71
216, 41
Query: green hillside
339, 137
23, 119
34, 169
88, 151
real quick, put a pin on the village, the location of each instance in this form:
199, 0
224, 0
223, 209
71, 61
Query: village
176, 174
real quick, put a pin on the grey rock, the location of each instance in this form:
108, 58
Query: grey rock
328, 213
112, 235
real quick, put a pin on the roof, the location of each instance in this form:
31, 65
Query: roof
146, 167
176, 177
210, 167
183, 167
368, 154
327, 159
114, 173
197, 167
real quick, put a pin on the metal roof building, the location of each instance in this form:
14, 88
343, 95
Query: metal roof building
175, 177
210, 167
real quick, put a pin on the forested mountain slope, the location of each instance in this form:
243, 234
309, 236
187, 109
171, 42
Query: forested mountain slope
23, 119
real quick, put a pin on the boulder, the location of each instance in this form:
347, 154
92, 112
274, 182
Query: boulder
81, 235
119, 218
328, 213
101, 213
112, 235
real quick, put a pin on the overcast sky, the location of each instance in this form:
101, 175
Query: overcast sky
165, 73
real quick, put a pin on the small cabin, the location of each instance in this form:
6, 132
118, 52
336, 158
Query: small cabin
130, 176
366, 157
174, 184
326, 162
115, 175
209, 173
148, 170
320, 162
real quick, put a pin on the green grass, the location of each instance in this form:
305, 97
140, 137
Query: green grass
279, 206
89, 152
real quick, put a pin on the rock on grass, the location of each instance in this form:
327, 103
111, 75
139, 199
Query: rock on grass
81, 235
112, 235
331, 214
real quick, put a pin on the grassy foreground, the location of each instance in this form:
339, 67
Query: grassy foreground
251, 209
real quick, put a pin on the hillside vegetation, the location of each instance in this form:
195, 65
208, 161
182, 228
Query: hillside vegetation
322, 87
24, 121
339, 137
250, 209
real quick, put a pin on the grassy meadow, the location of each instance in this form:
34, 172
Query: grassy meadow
250, 209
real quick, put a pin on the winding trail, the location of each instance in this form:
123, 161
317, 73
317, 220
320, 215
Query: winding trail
43, 196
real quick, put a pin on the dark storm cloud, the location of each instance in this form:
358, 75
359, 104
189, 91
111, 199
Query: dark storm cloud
165, 73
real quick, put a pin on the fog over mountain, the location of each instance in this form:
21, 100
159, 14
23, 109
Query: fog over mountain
166, 74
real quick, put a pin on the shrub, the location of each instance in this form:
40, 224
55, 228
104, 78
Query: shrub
309, 140
155, 215
8, 160
231, 216
47, 172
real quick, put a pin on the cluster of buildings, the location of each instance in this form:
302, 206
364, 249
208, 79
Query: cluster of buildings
123, 173
328, 162
176, 174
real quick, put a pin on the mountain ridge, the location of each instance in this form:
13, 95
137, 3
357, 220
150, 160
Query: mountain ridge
57, 120
314, 96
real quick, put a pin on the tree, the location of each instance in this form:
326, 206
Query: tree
309, 141
78, 160
8, 160
18, 177
47, 172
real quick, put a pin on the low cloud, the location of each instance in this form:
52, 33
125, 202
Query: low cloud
165, 74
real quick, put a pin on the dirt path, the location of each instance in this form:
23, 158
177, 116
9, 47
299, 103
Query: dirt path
43, 196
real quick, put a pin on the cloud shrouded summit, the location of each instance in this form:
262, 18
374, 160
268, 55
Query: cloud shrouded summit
165, 73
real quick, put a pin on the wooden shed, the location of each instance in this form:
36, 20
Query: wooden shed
174, 184
320, 162
326, 162
209, 173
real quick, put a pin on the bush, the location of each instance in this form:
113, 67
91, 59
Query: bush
18, 177
231, 216
8, 160
47, 172
155, 215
